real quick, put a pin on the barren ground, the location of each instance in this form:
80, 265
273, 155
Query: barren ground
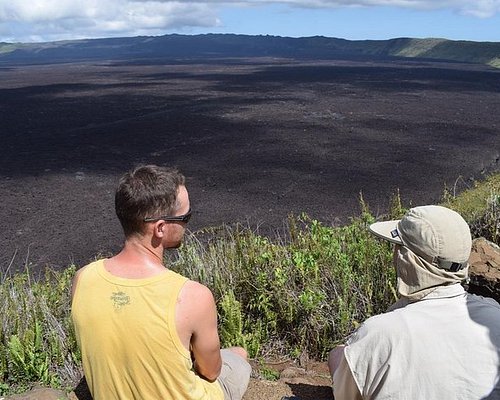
256, 138
308, 382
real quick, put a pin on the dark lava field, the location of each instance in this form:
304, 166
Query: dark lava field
257, 138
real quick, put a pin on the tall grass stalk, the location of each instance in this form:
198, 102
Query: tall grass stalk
36, 338
480, 206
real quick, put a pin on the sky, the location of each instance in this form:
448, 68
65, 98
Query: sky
51, 20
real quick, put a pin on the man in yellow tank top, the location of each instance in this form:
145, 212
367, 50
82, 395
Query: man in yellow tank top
146, 332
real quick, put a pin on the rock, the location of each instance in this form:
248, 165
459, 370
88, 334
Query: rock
484, 270
292, 372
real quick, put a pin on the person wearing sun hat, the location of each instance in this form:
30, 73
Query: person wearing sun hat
437, 341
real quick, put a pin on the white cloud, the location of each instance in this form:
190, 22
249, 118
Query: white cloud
35, 20
477, 8
66, 19
481, 8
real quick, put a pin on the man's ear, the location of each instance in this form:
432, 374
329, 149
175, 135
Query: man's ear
159, 229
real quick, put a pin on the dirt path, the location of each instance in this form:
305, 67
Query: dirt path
310, 383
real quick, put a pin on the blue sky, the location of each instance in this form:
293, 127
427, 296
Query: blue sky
48, 20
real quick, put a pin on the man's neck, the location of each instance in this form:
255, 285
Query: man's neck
139, 258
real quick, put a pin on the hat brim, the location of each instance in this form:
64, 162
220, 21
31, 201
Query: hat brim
385, 230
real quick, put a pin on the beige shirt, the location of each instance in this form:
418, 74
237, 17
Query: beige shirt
445, 346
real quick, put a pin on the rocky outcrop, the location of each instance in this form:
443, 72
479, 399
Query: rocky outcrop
484, 269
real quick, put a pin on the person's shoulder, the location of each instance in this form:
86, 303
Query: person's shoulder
483, 301
381, 320
197, 288
195, 293
484, 310
177, 277
91, 266
375, 339
78, 274
381, 327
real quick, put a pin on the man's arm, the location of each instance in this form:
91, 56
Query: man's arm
335, 357
344, 385
196, 320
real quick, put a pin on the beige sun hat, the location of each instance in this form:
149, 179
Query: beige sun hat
435, 233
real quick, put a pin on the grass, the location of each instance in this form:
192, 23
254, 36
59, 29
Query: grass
479, 205
296, 295
305, 292
36, 337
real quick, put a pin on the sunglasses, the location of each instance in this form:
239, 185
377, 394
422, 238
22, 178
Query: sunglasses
178, 218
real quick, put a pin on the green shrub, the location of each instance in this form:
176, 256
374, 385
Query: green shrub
36, 338
480, 206
306, 291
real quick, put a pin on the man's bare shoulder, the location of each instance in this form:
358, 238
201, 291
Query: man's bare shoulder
195, 304
196, 312
195, 292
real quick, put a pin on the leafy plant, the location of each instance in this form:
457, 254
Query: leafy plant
37, 343
268, 373
307, 290
29, 361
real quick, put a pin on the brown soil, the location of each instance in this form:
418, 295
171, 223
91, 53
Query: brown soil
310, 382
257, 139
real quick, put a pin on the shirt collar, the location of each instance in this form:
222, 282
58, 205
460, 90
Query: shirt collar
443, 292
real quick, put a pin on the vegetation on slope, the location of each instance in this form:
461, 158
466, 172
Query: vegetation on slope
466, 51
297, 295
227, 45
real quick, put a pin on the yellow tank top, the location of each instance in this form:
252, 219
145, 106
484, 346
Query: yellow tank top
127, 335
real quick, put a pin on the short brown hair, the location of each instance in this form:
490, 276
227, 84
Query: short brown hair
146, 191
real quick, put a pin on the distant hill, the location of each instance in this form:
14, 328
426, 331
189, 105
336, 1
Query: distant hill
229, 45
